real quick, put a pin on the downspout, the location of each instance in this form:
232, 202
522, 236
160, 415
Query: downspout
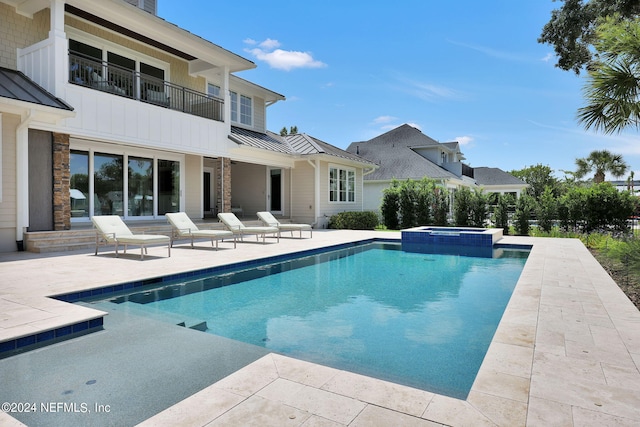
364, 173
316, 192
221, 208
22, 177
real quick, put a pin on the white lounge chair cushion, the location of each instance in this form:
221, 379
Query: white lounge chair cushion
268, 219
183, 225
234, 224
114, 229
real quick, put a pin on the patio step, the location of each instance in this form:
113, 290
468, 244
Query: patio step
75, 239
84, 237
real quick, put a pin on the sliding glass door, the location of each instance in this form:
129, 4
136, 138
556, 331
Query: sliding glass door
148, 187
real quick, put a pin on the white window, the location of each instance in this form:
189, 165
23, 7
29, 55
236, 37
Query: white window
125, 64
234, 107
241, 112
342, 185
213, 90
245, 110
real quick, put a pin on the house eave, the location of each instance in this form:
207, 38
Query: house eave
120, 17
44, 113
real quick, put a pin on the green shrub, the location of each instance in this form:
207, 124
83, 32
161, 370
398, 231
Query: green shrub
462, 207
478, 209
469, 208
408, 204
524, 207
354, 221
599, 207
390, 206
440, 206
546, 210
425, 189
501, 212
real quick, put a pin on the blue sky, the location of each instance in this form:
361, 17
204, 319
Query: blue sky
466, 71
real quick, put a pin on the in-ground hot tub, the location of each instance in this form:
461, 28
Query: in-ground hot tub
462, 240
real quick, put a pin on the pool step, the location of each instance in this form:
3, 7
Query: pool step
141, 310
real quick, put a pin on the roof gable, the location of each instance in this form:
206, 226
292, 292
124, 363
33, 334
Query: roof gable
395, 154
495, 176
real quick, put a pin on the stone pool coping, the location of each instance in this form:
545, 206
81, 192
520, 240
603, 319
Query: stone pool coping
565, 353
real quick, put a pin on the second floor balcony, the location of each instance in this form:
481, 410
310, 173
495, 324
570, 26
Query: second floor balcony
106, 77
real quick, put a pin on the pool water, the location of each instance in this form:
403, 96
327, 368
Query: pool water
422, 320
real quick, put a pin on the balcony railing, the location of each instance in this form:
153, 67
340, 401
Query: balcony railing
107, 77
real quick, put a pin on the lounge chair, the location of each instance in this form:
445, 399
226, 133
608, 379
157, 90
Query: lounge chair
268, 219
110, 229
182, 226
234, 225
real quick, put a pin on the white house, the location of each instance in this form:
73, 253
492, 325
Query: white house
406, 153
105, 108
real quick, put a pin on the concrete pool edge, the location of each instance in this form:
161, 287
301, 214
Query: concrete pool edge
568, 316
503, 393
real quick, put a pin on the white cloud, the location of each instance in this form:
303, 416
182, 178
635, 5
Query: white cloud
494, 53
282, 59
425, 90
415, 125
547, 57
270, 44
384, 119
463, 140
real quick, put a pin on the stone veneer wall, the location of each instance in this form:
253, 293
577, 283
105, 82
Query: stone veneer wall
224, 184
61, 182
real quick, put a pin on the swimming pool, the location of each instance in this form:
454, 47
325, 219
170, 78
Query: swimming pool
423, 320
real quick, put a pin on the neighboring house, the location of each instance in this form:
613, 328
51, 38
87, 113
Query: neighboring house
494, 180
106, 108
406, 153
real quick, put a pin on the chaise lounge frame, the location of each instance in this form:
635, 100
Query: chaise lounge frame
110, 229
268, 219
183, 227
233, 224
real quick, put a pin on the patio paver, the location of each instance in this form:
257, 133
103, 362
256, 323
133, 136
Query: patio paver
565, 353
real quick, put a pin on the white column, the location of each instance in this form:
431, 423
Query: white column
227, 98
60, 51
22, 175
317, 191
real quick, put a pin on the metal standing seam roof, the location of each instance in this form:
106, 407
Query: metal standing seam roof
15, 85
266, 141
298, 144
307, 145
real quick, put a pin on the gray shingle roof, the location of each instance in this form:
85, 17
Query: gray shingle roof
495, 176
393, 152
15, 85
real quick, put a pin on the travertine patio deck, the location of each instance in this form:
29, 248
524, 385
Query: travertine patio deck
566, 352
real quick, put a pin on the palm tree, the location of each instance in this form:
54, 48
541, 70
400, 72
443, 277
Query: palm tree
601, 161
612, 90
612, 95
